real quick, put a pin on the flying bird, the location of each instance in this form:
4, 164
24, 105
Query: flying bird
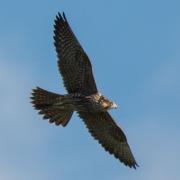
82, 96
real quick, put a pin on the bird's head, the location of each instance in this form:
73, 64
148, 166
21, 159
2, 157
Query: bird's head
107, 104
113, 105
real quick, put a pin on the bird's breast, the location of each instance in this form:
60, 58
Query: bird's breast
86, 103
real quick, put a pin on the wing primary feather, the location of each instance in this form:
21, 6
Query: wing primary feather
73, 63
104, 129
64, 16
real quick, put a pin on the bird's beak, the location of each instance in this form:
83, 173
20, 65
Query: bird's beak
114, 106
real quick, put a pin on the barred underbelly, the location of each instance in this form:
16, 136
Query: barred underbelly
78, 102
83, 104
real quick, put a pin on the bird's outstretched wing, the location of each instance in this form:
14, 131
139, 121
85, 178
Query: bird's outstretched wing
104, 129
73, 63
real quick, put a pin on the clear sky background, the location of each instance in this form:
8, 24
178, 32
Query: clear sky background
134, 47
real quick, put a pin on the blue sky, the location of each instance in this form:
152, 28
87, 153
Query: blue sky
134, 47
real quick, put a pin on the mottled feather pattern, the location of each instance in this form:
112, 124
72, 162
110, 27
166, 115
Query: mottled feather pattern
83, 96
103, 128
73, 63
43, 97
45, 102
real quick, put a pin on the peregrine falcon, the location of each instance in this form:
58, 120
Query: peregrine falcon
82, 96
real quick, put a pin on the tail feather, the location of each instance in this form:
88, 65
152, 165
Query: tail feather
45, 101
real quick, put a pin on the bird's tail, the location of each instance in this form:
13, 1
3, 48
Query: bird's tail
51, 106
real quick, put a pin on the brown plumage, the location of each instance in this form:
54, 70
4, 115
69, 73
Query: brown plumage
83, 96
73, 62
103, 128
